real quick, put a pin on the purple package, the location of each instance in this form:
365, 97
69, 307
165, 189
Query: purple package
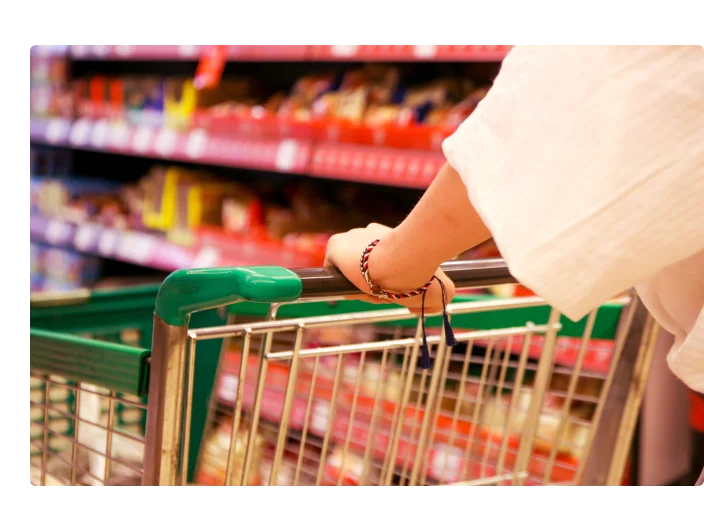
153, 110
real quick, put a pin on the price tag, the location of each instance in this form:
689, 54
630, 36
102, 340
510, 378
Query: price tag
120, 136
79, 51
429, 169
107, 242
142, 139
124, 51
85, 237
344, 51
425, 52
136, 247
101, 51
188, 51
445, 463
228, 388
286, 155
165, 143
56, 130
57, 232
80, 132
319, 417
196, 143
101, 132
207, 257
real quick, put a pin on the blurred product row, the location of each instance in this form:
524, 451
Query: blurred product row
384, 105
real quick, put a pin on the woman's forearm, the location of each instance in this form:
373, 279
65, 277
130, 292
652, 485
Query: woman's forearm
441, 226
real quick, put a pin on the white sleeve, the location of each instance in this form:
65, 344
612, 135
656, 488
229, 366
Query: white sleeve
587, 165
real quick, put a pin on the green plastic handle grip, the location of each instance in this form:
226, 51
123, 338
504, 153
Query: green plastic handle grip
187, 291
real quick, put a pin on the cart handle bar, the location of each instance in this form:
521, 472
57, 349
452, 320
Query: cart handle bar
187, 291
329, 282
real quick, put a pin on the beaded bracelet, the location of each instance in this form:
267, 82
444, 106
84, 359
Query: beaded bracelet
377, 291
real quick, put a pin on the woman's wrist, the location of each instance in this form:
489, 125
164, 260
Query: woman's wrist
393, 268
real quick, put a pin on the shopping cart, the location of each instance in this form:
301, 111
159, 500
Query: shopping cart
314, 390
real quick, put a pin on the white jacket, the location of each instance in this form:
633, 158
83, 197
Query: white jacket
587, 165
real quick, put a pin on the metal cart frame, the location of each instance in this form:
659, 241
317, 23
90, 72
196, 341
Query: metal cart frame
168, 439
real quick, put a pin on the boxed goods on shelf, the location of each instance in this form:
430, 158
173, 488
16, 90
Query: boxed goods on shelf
50, 86
372, 105
213, 220
58, 269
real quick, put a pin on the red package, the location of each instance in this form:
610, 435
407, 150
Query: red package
210, 67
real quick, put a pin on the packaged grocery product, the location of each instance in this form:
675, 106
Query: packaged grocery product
182, 98
307, 242
590, 386
243, 212
390, 382
383, 81
351, 104
153, 102
377, 115
135, 98
350, 465
212, 464
435, 92
437, 115
116, 103
575, 430
311, 87
178, 199
462, 110
285, 475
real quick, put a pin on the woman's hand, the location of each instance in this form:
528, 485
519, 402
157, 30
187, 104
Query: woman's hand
392, 274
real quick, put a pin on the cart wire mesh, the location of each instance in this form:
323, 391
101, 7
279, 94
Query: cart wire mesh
324, 391
494, 409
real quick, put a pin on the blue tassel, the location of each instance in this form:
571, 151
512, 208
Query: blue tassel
449, 334
425, 354
424, 351
450, 339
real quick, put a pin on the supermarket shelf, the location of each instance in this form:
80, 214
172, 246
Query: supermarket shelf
156, 251
369, 164
296, 53
196, 146
399, 167
409, 53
